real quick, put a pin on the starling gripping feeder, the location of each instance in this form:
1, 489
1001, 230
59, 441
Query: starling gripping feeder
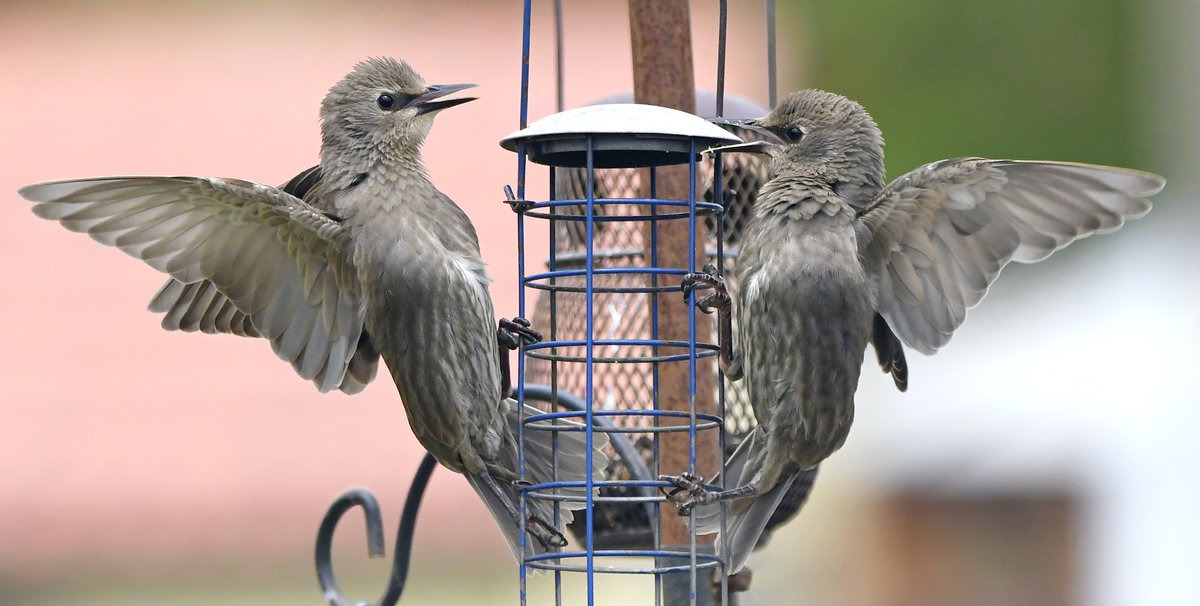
625, 353
634, 137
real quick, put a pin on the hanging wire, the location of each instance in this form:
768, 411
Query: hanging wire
772, 81
722, 30
524, 110
558, 55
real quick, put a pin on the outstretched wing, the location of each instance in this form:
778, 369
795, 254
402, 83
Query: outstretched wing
201, 305
281, 263
935, 239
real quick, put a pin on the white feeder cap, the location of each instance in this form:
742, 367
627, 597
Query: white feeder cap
623, 135
736, 106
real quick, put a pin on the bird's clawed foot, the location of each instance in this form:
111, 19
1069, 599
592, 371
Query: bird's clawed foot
540, 529
689, 492
709, 278
511, 334
544, 532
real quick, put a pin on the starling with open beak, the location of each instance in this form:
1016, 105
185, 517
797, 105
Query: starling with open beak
358, 258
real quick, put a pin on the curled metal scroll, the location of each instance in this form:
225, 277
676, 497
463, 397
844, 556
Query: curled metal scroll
361, 497
375, 547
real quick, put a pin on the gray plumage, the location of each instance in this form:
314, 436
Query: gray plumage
834, 260
357, 258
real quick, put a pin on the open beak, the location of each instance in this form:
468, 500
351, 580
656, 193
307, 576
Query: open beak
750, 147
432, 100
742, 122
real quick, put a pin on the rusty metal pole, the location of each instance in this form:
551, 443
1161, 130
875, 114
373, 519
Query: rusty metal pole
663, 75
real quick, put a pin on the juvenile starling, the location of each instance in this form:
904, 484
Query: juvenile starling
833, 260
357, 258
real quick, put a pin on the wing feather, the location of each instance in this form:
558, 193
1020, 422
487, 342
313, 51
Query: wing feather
937, 237
244, 258
175, 299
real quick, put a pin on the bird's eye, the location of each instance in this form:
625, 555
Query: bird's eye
794, 133
386, 101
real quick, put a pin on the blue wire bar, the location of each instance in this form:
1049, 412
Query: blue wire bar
588, 138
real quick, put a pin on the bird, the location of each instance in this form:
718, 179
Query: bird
834, 259
358, 258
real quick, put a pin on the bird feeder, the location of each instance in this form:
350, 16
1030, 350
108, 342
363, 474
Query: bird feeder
601, 291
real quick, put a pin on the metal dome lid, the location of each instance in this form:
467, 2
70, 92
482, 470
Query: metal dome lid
623, 135
736, 106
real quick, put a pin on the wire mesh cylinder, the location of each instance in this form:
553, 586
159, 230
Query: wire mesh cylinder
621, 243
599, 308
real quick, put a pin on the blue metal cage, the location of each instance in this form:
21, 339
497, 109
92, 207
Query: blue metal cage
612, 137
624, 136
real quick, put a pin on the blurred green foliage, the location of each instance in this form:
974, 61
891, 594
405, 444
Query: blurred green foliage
1031, 79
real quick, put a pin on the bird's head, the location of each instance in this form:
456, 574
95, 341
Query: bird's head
818, 134
381, 108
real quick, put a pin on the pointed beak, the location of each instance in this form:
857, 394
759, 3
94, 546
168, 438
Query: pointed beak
750, 147
742, 122
432, 100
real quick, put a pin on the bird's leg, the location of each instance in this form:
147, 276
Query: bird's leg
690, 491
718, 299
510, 335
540, 529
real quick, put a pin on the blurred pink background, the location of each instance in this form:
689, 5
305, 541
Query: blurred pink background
123, 445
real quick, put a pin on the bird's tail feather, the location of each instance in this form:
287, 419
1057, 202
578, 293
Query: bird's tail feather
740, 466
743, 528
549, 456
496, 506
746, 520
